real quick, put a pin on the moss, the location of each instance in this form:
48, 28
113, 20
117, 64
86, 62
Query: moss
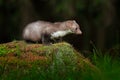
60, 57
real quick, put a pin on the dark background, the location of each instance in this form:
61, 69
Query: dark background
99, 20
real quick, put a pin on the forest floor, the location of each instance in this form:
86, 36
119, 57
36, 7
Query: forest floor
59, 61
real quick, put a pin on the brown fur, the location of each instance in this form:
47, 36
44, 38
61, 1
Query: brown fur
41, 30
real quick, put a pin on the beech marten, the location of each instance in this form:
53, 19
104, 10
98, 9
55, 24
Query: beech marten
45, 31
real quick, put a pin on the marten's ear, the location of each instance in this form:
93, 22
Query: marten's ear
74, 21
69, 23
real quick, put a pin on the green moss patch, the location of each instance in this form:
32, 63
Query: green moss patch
22, 59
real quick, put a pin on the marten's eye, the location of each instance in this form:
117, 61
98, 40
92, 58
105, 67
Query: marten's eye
76, 28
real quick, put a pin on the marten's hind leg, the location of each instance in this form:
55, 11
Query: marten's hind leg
46, 39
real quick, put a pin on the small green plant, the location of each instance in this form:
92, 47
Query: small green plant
3, 50
18, 51
108, 66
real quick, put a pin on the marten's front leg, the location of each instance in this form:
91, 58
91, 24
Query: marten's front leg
56, 40
60, 39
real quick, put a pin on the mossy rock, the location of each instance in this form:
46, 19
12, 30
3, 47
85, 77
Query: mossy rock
22, 58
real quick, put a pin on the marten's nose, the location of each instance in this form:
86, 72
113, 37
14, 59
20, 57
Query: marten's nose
79, 32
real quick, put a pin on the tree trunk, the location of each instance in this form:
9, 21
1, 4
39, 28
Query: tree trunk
101, 38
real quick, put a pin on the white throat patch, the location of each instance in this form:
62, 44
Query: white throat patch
58, 34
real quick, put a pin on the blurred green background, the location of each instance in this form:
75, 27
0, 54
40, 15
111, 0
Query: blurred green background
99, 20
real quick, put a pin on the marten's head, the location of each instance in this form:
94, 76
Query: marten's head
73, 26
